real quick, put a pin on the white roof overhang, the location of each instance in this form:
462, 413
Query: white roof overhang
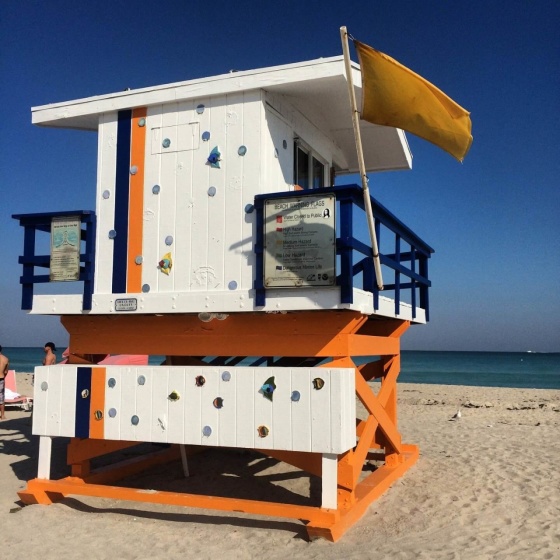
316, 88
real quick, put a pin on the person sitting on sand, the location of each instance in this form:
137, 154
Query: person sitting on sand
4, 365
50, 358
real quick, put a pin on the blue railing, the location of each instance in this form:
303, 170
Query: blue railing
408, 263
33, 223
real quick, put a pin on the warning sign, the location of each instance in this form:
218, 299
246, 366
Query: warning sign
300, 242
65, 249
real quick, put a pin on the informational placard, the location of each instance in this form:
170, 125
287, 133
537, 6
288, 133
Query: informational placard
126, 304
65, 249
300, 240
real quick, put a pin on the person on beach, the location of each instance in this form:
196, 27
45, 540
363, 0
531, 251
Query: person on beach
50, 356
4, 365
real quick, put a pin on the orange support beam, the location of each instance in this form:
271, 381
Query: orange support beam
85, 449
239, 335
44, 490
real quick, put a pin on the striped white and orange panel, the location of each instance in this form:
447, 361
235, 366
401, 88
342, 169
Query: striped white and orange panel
129, 201
299, 409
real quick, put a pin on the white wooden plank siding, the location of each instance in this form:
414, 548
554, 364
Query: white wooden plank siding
228, 414
301, 415
152, 203
168, 194
175, 415
253, 182
128, 406
199, 273
193, 402
113, 401
280, 159
322, 420
67, 381
217, 214
106, 165
230, 226
186, 160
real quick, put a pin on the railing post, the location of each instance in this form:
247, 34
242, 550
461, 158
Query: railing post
28, 267
413, 281
345, 250
378, 236
397, 274
424, 291
89, 259
368, 271
260, 292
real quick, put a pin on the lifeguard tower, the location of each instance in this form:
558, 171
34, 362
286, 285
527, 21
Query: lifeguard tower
221, 241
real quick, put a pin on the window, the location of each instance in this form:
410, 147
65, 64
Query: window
318, 173
309, 171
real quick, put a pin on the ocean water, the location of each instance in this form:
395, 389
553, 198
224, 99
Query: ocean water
24, 359
486, 369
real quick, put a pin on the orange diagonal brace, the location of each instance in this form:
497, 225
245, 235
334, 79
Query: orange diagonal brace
389, 382
370, 401
364, 445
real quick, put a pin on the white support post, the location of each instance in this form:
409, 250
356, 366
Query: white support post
362, 165
329, 479
184, 461
45, 449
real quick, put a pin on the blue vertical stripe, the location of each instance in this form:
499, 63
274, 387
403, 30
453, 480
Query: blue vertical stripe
83, 400
121, 201
345, 251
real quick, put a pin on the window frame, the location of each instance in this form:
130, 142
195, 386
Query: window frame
299, 144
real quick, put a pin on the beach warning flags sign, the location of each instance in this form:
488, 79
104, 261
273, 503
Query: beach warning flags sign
393, 95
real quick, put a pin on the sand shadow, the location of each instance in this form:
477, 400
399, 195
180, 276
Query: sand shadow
236, 519
16, 439
233, 473
230, 473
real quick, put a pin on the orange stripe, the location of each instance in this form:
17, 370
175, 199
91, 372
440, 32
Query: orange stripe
97, 403
136, 203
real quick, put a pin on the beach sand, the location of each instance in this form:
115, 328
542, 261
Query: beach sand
485, 486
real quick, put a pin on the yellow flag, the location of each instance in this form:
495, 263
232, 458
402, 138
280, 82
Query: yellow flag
393, 95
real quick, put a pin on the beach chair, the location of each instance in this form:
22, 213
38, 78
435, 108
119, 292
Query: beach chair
12, 397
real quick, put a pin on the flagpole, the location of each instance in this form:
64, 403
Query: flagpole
362, 166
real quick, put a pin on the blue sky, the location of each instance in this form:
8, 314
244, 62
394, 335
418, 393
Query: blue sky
493, 221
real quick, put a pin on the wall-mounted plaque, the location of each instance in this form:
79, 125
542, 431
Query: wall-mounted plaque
126, 304
65, 249
300, 242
